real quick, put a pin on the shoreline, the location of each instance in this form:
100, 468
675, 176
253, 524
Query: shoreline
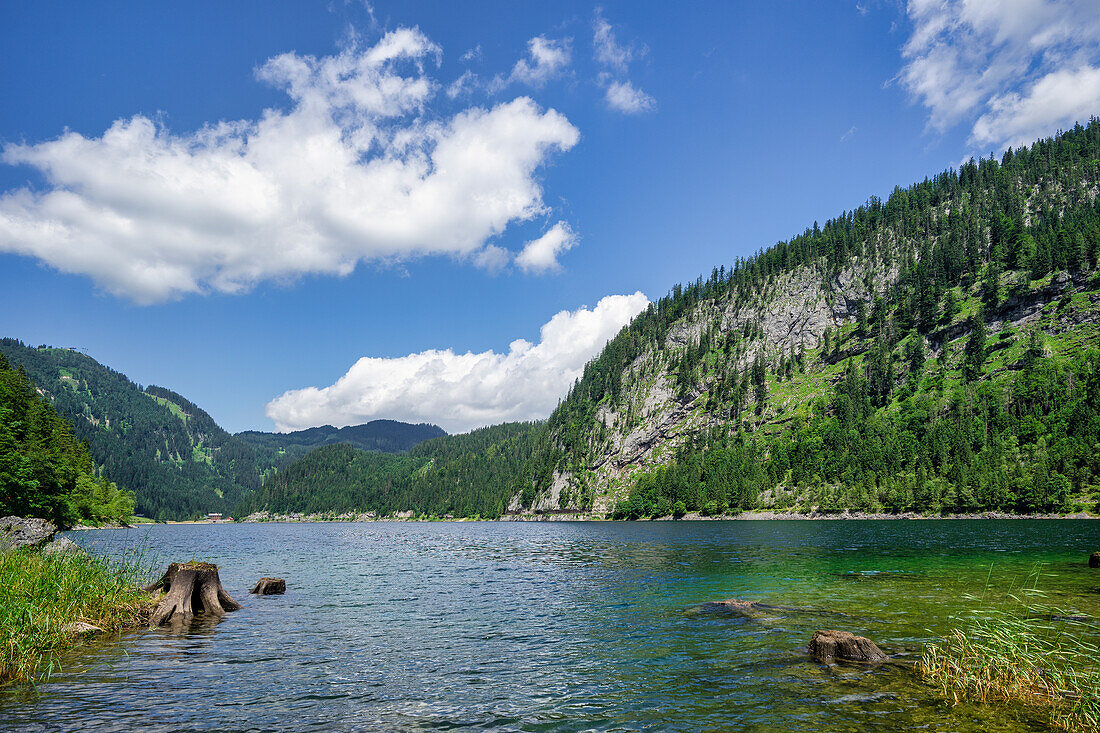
751, 516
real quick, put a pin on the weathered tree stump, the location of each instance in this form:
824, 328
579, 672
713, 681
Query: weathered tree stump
826, 645
1094, 560
269, 587
191, 588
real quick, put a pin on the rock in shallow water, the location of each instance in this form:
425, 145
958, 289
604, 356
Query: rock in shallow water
269, 587
832, 644
17, 532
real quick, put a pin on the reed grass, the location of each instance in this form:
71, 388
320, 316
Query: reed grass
1024, 653
40, 593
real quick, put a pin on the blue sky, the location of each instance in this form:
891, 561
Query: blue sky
299, 213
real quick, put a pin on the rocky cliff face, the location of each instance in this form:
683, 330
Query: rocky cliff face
655, 418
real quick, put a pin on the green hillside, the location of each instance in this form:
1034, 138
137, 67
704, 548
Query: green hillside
169, 452
933, 352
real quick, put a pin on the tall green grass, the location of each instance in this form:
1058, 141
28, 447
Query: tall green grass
41, 593
1023, 653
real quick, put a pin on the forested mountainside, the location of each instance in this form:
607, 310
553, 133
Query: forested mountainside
468, 475
934, 352
384, 436
170, 453
931, 352
44, 470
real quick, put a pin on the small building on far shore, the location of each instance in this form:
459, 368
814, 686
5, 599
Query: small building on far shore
214, 517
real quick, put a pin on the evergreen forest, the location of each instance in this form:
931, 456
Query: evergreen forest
45, 471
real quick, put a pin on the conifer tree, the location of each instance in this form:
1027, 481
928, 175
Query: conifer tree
975, 351
760, 382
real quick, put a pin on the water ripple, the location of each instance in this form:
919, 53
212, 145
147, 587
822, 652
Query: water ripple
552, 627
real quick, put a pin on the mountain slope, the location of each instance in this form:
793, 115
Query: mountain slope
745, 360
385, 436
934, 352
171, 454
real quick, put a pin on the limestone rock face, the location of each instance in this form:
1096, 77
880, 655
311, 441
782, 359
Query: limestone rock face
18, 532
832, 644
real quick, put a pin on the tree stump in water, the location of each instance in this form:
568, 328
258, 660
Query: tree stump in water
192, 588
269, 587
832, 644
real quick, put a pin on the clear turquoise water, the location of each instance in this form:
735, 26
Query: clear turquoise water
559, 626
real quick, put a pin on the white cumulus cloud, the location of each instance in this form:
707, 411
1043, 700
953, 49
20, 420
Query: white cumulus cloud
623, 97
461, 392
620, 94
608, 50
1016, 70
1059, 98
546, 60
541, 255
355, 169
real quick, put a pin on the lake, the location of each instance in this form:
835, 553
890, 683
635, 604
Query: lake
560, 626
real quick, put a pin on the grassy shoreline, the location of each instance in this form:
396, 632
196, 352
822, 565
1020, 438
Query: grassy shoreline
1026, 654
43, 595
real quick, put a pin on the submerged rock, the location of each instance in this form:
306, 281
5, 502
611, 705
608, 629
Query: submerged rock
18, 532
755, 609
1075, 618
736, 607
269, 587
833, 644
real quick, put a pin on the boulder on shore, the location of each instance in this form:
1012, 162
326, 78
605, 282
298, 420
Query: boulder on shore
63, 545
831, 644
1094, 560
80, 628
269, 587
19, 532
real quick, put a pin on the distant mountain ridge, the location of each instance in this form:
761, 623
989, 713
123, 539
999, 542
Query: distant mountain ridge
178, 462
382, 436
